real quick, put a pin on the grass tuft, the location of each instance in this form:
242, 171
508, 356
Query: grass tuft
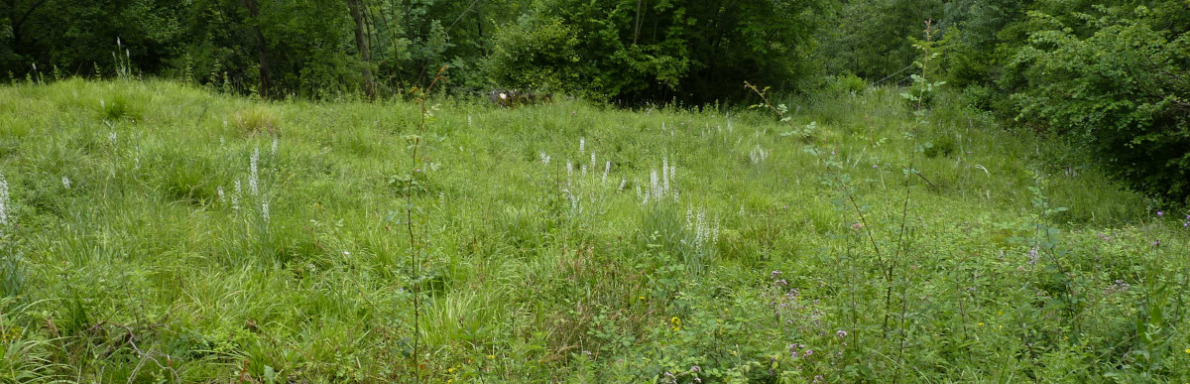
257, 120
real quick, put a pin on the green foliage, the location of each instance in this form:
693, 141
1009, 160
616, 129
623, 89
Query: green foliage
978, 36
977, 97
528, 271
306, 48
1105, 75
625, 50
1119, 87
872, 38
534, 54
629, 50
845, 83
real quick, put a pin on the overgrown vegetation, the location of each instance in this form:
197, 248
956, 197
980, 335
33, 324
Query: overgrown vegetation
1106, 75
443, 191
565, 242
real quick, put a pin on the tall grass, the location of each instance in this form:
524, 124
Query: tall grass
748, 254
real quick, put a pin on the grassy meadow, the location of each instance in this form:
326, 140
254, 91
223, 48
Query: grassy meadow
158, 232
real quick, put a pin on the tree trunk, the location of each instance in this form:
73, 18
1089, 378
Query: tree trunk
479, 26
18, 22
361, 43
262, 49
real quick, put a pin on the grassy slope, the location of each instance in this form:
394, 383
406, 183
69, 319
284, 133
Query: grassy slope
143, 268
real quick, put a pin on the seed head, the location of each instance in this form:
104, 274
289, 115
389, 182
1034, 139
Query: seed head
235, 197
3, 200
253, 176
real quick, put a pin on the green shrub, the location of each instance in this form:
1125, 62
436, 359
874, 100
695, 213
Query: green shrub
845, 83
1120, 89
532, 53
939, 146
978, 97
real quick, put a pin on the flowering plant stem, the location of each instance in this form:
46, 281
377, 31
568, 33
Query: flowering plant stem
413, 247
903, 241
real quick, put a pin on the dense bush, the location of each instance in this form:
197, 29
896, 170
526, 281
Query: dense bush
1121, 88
